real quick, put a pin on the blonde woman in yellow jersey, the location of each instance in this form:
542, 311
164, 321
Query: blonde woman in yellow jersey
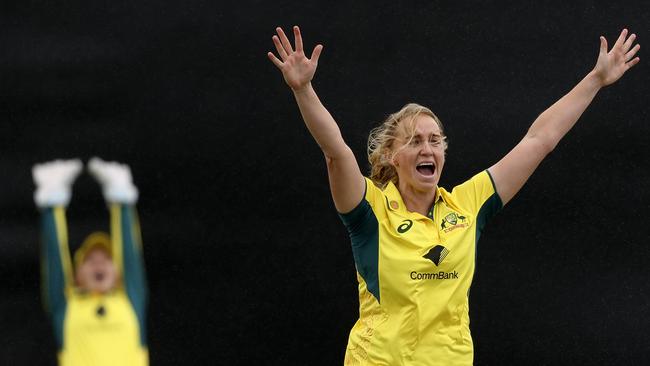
98, 308
414, 242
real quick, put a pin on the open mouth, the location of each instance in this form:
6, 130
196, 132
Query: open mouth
426, 169
99, 276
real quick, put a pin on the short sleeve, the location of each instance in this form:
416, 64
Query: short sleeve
361, 222
478, 196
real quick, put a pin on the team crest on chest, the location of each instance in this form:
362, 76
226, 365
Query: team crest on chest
453, 221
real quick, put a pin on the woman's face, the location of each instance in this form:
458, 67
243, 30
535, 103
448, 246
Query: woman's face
419, 160
97, 273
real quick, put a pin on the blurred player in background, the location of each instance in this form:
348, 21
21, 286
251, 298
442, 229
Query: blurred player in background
97, 308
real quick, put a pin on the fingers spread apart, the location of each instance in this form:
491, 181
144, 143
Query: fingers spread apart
285, 41
298, 38
623, 46
627, 49
629, 42
285, 50
621, 39
278, 46
633, 51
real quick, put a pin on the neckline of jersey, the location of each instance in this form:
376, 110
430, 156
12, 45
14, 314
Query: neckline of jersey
392, 193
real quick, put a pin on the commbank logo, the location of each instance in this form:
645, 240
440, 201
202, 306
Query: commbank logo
437, 254
434, 276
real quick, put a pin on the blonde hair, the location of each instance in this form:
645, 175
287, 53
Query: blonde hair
382, 138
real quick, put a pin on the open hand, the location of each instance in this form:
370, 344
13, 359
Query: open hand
613, 64
297, 69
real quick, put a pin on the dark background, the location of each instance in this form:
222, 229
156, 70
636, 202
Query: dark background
247, 260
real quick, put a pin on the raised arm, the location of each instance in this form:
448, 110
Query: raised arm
53, 190
127, 241
346, 181
56, 266
121, 195
513, 170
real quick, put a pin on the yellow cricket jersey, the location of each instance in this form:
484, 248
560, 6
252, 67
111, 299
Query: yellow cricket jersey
96, 329
415, 273
101, 330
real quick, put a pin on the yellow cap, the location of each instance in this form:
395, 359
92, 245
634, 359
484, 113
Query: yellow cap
98, 239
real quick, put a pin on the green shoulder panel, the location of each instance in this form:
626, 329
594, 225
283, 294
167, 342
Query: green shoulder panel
363, 229
488, 209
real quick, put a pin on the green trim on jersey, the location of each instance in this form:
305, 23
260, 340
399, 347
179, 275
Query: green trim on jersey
491, 206
363, 228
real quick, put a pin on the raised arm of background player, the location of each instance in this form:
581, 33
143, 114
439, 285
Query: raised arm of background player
53, 181
513, 170
121, 196
346, 181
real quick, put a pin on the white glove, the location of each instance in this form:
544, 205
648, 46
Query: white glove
115, 179
54, 181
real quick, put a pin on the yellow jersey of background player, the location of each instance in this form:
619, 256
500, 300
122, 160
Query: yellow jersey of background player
97, 312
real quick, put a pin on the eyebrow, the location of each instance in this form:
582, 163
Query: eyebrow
420, 134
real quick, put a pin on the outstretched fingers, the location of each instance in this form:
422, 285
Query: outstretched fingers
633, 51
611, 65
298, 38
285, 41
623, 46
621, 39
632, 62
629, 42
278, 46
603, 45
315, 54
296, 68
628, 50
275, 60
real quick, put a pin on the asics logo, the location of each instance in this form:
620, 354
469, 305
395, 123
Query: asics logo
405, 226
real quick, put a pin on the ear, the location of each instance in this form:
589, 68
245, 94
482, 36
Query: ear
75, 278
390, 158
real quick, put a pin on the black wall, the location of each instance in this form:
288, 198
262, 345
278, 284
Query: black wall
247, 260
